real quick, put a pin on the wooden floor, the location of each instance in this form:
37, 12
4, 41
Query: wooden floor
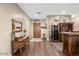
44, 49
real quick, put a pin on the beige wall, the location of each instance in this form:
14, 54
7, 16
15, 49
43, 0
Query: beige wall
7, 12
76, 23
43, 30
27, 26
31, 26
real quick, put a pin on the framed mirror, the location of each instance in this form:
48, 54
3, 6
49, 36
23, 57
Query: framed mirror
16, 26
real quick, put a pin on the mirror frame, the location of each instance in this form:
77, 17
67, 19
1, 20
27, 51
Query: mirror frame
14, 28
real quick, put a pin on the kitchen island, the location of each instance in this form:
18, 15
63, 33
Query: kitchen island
71, 43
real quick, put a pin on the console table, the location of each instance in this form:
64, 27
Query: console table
17, 46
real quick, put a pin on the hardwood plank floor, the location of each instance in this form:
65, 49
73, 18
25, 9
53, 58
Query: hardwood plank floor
44, 48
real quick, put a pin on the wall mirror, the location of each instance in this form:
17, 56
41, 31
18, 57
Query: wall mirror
16, 26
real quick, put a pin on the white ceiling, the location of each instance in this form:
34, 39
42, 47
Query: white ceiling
49, 9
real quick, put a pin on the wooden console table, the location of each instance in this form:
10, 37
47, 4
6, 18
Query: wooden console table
17, 46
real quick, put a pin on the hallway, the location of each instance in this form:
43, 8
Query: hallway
44, 48
26, 26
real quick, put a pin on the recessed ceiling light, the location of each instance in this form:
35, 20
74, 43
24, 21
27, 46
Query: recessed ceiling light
36, 15
74, 16
64, 12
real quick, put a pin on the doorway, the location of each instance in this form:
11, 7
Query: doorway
36, 30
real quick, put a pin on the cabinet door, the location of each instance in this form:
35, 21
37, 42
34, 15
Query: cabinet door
65, 44
77, 45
